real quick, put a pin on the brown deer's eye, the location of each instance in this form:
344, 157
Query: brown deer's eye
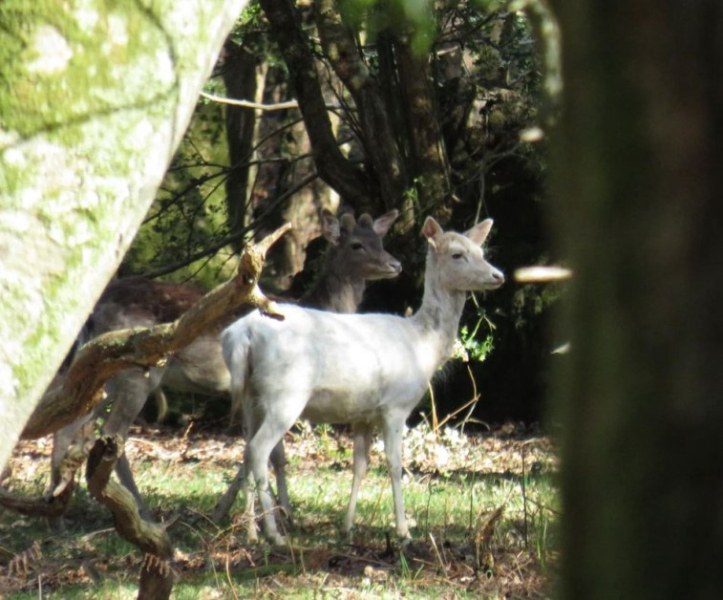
357, 246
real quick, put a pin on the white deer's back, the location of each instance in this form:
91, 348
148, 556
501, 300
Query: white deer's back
344, 367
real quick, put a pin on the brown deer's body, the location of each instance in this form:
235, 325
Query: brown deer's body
355, 256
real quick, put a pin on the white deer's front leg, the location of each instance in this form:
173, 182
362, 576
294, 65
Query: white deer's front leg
393, 449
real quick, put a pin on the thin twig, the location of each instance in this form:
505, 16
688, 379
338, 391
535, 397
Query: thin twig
249, 104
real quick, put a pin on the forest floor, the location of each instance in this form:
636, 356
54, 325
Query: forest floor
484, 509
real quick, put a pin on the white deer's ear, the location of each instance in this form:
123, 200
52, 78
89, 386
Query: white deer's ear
330, 227
383, 223
431, 229
478, 234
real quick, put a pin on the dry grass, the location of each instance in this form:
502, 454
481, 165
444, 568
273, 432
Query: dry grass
485, 509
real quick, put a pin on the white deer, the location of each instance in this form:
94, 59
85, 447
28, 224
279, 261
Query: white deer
368, 370
355, 255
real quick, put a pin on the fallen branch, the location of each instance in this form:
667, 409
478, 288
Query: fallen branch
50, 507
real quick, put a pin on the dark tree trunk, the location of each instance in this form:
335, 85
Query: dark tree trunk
375, 119
333, 167
641, 402
428, 155
239, 76
285, 190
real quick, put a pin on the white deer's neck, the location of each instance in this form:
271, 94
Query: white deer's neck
438, 317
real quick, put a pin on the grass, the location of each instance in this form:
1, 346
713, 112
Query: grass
483, 510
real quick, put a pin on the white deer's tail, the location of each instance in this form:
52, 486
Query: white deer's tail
235, 343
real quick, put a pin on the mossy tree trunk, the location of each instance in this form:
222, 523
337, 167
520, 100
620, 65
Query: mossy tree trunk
93, 103
639, 179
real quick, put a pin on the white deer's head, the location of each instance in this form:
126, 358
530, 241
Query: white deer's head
457, 262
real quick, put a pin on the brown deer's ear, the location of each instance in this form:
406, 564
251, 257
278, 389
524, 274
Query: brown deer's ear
478, 234
365, 220
330, 227
348, 223
382, 225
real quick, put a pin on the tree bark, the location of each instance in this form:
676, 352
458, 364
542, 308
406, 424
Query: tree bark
239, 76
349, 181
93, 105
639, 181
428, 155
380, 144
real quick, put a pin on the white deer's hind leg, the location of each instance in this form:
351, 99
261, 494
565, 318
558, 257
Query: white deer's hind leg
241, 480
246, 478
257, 458
393, 449
362, 443
273, 426
226, 502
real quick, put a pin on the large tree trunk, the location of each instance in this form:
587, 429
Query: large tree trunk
641, 406
93, 105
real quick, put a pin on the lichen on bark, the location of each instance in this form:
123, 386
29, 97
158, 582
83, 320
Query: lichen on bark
94, 98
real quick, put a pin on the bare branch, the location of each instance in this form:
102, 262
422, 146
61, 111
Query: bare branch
250, 104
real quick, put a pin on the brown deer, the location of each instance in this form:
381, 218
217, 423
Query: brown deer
355, 255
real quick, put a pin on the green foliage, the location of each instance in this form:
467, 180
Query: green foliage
413, 18
478, 345
189, 213
532, 301
250, 19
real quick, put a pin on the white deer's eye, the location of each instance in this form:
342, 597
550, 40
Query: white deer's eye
457, 255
